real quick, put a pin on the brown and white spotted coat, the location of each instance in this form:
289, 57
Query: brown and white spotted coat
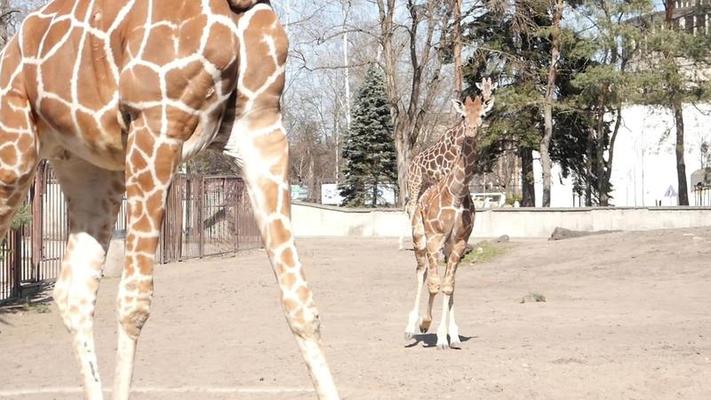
434, 163
116, 94
443, 221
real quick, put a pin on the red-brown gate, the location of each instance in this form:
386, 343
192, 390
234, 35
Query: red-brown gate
207, 216
32, 253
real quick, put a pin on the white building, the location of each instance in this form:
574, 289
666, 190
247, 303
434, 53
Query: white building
644, 164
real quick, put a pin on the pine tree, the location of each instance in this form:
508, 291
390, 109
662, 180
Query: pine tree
368, 150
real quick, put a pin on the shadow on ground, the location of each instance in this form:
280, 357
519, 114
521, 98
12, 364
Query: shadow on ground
430, 340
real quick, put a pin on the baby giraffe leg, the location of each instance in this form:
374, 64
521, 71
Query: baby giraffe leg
420, 242
93, 197
434, 244
447, 320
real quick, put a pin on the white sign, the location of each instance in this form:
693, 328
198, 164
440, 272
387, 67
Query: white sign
330, 195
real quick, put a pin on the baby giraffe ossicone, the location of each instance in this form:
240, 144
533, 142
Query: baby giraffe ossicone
443, 221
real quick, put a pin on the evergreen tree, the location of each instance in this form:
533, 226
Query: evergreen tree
368, 149
672, 73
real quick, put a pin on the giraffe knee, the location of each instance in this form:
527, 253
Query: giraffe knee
133, 315
448, 288
433, 284
76, 309
304, 321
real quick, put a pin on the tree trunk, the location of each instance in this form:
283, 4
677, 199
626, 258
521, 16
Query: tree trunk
546, 163
680, 164
528, 191
607, 173
676, 108
374, 202
403, 162
599, 153
4, 21
457, 39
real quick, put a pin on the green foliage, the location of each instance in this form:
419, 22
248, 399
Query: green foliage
512, 48
672, 60
484, 252
368, 149
22, 217
533, 297
211, 162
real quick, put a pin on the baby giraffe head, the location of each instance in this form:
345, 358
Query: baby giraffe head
474, 111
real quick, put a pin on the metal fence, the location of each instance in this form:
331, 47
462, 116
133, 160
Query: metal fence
205, 216
702, 196
32, 254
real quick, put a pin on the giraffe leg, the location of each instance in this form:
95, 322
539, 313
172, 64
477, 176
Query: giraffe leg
447, 320
263, 149
452, 328
434, 244
93, 196
151, 163
420, 242
414, 184
426, 320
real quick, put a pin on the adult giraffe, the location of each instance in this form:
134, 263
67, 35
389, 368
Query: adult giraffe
116, 94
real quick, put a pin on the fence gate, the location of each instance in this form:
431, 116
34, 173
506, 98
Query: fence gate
207, 216
32, 254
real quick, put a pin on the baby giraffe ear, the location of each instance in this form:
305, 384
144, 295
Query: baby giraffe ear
459, 107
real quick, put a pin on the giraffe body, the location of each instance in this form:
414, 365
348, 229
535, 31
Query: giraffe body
116, 94
432, 165
442, 221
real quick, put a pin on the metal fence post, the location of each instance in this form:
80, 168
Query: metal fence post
37, 216
15, 242
199, 213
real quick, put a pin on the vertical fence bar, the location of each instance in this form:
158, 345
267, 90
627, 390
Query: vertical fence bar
37, 214
16, 257
200, 200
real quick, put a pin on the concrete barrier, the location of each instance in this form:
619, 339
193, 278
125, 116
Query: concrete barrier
315, 220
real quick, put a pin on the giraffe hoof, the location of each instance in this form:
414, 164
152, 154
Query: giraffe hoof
409, 335
425, 326
444, 346
455, 343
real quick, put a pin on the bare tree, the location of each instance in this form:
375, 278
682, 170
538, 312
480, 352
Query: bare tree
410, 106
457, 46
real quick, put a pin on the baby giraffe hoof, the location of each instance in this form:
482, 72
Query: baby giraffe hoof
455, 343
443, 346
425, 325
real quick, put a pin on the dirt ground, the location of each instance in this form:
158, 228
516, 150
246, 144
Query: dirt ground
627, 316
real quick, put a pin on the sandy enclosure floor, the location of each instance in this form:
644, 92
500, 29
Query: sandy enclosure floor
628, 316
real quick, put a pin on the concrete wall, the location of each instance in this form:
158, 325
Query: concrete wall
314, 220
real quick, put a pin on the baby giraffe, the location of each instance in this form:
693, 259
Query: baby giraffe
444, 219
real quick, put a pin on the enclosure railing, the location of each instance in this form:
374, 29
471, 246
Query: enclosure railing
32, 253
205, 216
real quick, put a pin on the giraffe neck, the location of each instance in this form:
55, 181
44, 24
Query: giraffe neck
463, 168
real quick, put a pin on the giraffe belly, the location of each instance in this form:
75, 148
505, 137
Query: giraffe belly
105, 150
